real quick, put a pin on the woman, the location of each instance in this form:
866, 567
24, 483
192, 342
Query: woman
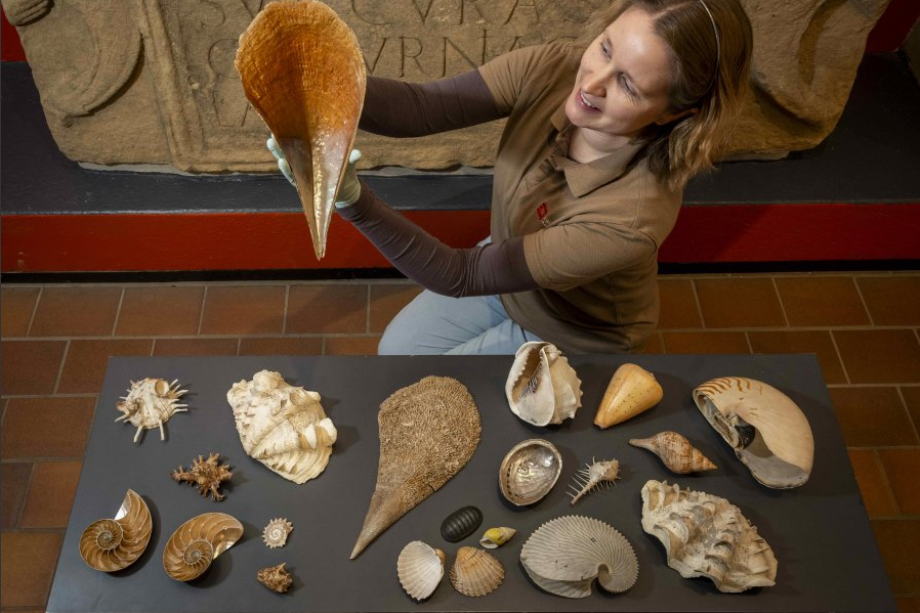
600, 140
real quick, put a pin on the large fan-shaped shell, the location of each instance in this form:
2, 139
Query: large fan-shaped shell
194, 545
563, 556
113, 544
302, 70
542, 387
476, 572
632, 390
767, 430
420, 568
428, 432
675, 451
149, 404
529, 471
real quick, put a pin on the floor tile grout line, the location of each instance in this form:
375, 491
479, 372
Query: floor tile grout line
779, 298
840, 358
25, 497
49, 396
44, 459
886, 480
747, 339
60, 373
367, 310
862, 299
121, 301
699, 305
848, 385
204, 305
41, 292
909, 414
239, 345
284, 313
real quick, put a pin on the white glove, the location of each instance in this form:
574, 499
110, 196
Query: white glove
350, 190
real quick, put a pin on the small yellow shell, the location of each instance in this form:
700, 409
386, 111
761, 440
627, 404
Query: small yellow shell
496, 537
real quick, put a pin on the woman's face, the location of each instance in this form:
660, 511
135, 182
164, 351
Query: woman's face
623, 81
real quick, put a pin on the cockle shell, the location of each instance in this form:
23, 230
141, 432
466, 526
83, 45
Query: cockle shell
282, 426
303, 72
593, 476
476, 572
707, 536
632, 390
275, 534
565, 555
275, 578
428, 432
196, 543
529, 471
493, 538
676, 452
113, 544
420, 569
149, 404
542, 387
767, 430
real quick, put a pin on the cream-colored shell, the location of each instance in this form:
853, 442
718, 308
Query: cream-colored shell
529, 471
632, 390
282, 426
767, 430
276, 578
420, 569
707, 536
149, 404
275, 534
476, 572
113, 544
542, 387
493, 538
593, 476
196, 543
675, 451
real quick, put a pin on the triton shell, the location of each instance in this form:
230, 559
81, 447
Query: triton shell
632, 390
460, 524
282, 426
420, 569
707, 536
493, 538
594, 476
676, 452
207, 475
303, 71
529, 471
276, 578
113, 544
275, 534
149, 404
542, 388
428, 432
565, 555
767, 430
476, 572
196, 543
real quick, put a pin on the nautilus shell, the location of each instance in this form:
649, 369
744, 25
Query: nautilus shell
420, 569
767, 430
149, 404
632, 390
707, 536
675, 451
303, 71
593, 476
276, 578
493, 538
476, 572
275, 534
542, 387
196, 543
565, 555
529, 471
282, 426
113, 544
428, 432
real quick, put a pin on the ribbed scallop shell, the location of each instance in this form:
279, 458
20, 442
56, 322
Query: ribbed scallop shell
113, 544
529, 471
460, 524
542, 387
420, 568
195, 544
476, 572
563, 556
675, 451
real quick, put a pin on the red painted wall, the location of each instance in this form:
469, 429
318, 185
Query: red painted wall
10, 46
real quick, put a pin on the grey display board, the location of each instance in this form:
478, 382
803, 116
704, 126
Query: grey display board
828, 559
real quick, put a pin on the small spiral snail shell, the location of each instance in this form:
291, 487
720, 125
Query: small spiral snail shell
276, 533
194, 545
113, 544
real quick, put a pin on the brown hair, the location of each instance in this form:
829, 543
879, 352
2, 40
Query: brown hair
712, 58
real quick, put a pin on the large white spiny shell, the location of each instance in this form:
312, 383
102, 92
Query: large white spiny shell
420, 568
563, 556
542, 387
476, 572
149, 404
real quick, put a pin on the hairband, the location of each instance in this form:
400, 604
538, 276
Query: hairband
715, 31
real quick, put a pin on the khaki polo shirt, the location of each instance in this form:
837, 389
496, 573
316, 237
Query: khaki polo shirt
591, 231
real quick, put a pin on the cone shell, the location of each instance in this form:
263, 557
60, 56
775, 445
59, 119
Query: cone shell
542, 387
420, 568
529, 471
493, 538
303, 71
631, 391
476, 572
676, 452
194, 545
113, 544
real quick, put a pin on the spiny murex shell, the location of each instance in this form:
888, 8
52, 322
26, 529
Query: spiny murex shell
767, 430
275, 534
476, 572
542, 387
675, 451
565, 555
276, 578
420, 569
707, 536
282, 426
303, 71
196, 543
594, 475
206, 475
113, 544
149, 404
493, 538
632, 390
529, 471
428, 432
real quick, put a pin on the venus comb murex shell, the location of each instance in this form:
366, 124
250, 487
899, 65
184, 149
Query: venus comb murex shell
113, 544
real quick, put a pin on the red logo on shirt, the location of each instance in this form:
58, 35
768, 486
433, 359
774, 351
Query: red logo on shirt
542, 211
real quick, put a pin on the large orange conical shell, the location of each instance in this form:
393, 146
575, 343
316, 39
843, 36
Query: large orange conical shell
631, 391
303, 71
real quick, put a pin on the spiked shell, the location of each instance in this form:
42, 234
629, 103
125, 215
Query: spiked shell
593, 476
631, 391
529, 471
303, 71
476, 572
207, 475
276, 578
149, 404
676, 452
542, 387
196, 543
420, 569
110, 545
275, 534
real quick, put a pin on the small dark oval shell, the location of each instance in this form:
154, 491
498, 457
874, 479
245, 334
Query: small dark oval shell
460, 524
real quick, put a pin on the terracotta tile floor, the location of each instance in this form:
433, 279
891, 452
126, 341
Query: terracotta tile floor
864, 328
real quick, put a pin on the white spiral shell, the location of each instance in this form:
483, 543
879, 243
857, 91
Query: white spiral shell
276, 532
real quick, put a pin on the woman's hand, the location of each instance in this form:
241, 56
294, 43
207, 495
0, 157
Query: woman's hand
349, 191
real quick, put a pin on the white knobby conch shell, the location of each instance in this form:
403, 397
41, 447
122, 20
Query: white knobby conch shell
529, 471
196, 543
767, 430
113, 544
632, 390
149, 404
565, 555
593, 476
542, 387
676, 452
282, 426
276, 578
275, 534
420, 569
303, 71
707, 536
476, 572
493, 538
